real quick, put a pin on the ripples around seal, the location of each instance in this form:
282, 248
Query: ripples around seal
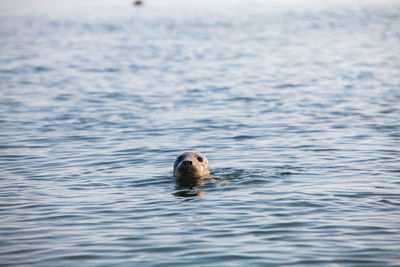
295, 106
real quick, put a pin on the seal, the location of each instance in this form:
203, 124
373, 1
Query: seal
191, 166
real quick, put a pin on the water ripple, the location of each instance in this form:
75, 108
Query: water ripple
295, 105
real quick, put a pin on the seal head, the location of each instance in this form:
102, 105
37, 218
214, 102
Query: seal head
191, 165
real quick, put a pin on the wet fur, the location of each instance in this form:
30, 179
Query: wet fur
194, 171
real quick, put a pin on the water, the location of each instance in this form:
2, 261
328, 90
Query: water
296, 106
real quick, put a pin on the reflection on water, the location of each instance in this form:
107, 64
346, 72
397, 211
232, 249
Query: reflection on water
295, 103
189, 192
192, 186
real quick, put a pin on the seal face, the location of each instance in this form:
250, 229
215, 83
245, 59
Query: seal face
191, 165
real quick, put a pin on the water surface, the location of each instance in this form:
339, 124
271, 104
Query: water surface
295, 105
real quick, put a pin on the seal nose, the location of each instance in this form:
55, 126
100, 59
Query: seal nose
187, 162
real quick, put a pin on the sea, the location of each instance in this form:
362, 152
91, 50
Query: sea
296, 105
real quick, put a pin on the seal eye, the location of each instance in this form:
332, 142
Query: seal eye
200, 159
180, 158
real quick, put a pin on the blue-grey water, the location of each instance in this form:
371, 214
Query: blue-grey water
296, 104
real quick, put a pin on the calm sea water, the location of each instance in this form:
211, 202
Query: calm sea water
296, 105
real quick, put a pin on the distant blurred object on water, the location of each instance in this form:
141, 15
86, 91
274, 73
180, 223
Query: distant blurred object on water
138, 3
